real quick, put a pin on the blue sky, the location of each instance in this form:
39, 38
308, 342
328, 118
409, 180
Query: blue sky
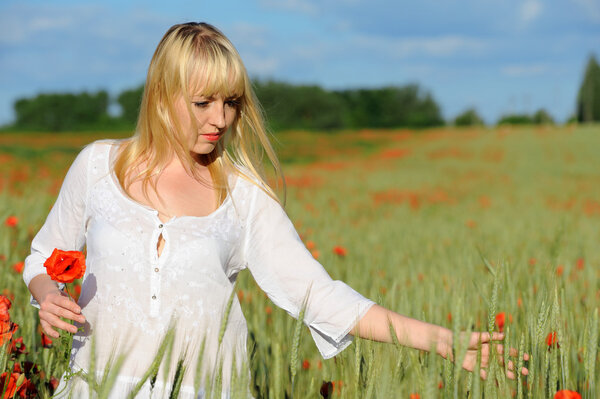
496, 56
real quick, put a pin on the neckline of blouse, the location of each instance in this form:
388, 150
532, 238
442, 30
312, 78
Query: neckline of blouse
123, 194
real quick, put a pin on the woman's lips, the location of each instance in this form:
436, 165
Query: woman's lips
212, 136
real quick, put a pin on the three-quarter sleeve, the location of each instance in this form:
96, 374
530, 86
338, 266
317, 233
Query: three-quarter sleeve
287, 272
64, 227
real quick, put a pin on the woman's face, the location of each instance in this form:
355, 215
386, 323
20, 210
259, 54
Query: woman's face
214, 115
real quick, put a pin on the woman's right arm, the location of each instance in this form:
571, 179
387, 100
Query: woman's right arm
64, 229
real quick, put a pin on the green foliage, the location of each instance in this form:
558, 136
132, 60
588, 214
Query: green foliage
61, 112
588, 98
390, 107
299, 107
286, 106
469, 117
542, 117
515, 119
130, 101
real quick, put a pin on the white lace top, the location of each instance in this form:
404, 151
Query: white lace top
129, 293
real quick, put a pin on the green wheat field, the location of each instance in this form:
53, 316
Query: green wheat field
458, 227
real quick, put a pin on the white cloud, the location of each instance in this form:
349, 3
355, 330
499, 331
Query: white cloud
523, 70
530, 10
440, 46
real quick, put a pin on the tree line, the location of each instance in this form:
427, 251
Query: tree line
290, 106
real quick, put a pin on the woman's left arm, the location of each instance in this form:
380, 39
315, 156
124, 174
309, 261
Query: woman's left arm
375, 325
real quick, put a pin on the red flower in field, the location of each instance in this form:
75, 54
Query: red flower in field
449, 317
501, 320
10, 382
566, 394
7, 329
7, 293
11, 221
532, 261
5, 304
52, 384
560, 270
27, 389
310, 245
268, 310
316, 253
305, 364
65, 266
46, 342
17, 368
579, 264
552, 339
414, 396
18, 267
17, 347
340, 251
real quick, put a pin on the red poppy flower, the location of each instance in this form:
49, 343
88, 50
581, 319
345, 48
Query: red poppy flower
552, 339
310, 245
566, 394
18, 267
7, 329
340, 251
27, 389
579, 265
11, 221
10, 382
414, 396
305, 364
65, 266
52, 384
501, 320
5, 304
17, 347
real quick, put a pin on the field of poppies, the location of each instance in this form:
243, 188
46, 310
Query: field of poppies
488, 229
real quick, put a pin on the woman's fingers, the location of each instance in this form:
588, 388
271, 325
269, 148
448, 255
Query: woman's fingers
62, 306
49, 331
55, 321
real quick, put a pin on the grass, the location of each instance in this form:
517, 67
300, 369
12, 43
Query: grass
451, 226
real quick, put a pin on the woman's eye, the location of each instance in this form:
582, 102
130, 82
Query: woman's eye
201, 104
232, 103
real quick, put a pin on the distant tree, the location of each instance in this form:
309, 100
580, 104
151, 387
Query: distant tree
130, 101
515, 119
390, 107
541, 117
299, 107
469, 117
588, 98
60, 112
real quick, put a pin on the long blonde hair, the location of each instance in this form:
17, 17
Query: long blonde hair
198, 58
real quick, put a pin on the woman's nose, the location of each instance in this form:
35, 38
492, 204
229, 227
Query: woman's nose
218, 114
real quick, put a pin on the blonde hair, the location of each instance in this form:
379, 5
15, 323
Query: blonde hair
196, 59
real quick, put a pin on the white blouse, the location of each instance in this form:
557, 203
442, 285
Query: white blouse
130, 294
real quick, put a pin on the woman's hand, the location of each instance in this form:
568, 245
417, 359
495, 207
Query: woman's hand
54, 304
483, 340
417, 334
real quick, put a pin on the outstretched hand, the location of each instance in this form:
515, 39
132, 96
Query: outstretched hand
482, 341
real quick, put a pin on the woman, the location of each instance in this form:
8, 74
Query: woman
172, 215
